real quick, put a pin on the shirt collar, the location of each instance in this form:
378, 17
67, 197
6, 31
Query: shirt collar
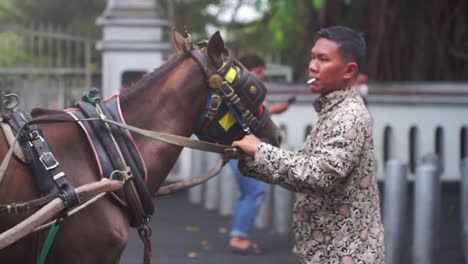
325, 102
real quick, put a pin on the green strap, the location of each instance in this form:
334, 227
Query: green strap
87, 97
48, 243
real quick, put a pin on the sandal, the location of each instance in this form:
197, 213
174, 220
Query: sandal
253, 249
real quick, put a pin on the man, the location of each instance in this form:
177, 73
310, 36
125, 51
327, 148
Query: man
252, 192
336, 214
360, 85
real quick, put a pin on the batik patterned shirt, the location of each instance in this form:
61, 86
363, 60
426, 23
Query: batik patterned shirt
336, 216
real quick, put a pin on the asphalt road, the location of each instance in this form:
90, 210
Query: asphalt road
186, 233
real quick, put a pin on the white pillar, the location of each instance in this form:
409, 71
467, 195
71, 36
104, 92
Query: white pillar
132, 41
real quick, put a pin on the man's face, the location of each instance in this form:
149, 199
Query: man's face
258, 72
327, 66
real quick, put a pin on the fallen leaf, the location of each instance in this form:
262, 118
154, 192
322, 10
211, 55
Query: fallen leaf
222, 230
192, 254
193, 229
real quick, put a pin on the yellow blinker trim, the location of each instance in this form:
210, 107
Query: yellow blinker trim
231, 75
227, 121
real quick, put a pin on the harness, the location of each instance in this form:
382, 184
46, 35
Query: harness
116, 154
47, 172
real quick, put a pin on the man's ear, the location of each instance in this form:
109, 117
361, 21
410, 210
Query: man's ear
351, 70
215, 49
178, 40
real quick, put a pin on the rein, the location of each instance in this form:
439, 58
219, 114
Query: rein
225, 150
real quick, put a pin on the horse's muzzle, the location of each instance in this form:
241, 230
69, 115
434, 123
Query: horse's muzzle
270, 134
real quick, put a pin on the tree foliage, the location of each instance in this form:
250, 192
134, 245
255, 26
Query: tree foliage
418, 40
77, 16
191, 14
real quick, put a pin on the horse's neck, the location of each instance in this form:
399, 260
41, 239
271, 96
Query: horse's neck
171, 106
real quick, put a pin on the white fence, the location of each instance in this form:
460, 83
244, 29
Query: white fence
410, 120
45, 65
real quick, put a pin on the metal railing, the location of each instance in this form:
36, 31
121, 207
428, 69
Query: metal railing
46, 65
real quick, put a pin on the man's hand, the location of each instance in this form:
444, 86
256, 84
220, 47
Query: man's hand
249, 144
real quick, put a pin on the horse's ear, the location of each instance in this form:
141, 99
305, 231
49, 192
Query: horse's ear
216, 48
178, 40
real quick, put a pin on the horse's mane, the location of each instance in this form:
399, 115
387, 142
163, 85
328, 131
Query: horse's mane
149, 79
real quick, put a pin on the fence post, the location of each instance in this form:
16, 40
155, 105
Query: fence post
87, 64
464, 205
264, 215
282, 204
228, 191
426, 203
395, 199
433, 159
198, 160
211, 186
282, 210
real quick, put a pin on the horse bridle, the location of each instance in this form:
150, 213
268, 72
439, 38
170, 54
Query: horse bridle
225, 84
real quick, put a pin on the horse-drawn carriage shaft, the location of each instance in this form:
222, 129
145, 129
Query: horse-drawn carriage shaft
171, 99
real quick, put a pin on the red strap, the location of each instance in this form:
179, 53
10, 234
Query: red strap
144, 232
261, 111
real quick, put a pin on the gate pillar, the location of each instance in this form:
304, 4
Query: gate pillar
132, 42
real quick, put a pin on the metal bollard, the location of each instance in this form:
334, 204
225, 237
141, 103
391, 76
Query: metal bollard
395, 195
433, 159
198, 160
427, 187
211, 186
282, 210
228, 191
464, 205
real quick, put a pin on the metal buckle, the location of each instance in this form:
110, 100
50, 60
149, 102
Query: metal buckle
227, 90
215, 102
52, 166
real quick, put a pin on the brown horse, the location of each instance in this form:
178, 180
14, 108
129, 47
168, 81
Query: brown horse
171, 99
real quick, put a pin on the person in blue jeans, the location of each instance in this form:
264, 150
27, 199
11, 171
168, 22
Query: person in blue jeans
252, 191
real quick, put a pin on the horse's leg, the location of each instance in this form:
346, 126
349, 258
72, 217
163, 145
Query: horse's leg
98, 234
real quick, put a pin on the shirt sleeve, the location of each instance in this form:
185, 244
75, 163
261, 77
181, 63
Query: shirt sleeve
328, 163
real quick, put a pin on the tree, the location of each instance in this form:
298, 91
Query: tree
78, 16
418, 40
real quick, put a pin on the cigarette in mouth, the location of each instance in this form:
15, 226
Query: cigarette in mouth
311, 81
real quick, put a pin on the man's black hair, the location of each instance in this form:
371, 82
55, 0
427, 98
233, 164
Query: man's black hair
251, 60
352, 46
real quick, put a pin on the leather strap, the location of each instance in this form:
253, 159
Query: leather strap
228, 151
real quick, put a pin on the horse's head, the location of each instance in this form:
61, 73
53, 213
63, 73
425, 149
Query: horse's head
234, 106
